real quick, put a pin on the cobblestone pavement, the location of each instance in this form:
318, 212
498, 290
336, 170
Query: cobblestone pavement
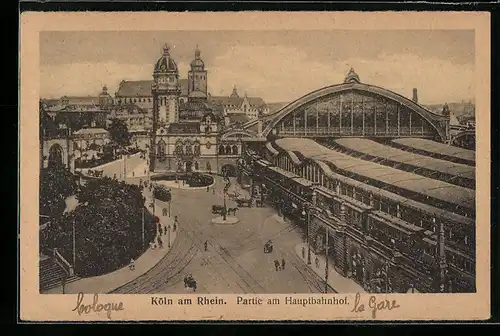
234, 261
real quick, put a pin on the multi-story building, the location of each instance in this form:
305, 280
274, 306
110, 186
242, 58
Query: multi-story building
189, 131
77, 112
253, 107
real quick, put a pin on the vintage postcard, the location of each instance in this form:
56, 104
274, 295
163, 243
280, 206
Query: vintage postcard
254, 166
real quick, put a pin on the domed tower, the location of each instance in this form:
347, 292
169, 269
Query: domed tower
105, 98
165, 90
197, 77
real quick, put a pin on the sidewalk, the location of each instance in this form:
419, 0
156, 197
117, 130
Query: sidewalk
339, 283
108, 282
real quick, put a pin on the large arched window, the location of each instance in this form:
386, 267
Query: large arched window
179, 150
160, 148
55, 156
222, 150
196, 148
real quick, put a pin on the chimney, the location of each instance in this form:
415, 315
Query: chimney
415, 95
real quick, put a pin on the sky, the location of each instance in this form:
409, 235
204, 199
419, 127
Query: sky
279, 66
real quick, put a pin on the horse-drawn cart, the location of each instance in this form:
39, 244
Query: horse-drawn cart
244, 202
268, 247
217, 209
190, 282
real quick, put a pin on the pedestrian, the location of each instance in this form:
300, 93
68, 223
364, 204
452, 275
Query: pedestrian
133, 174
160, 230
208, 188
303, 252
160, 242
151, 245
175, 226
144, 171
283, 263
213, 190
277, 265
206, 245
132, 264
316, 261
165, 230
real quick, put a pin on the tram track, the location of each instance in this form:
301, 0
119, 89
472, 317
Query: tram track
181, 254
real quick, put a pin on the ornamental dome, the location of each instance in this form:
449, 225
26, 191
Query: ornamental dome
352, 77
166, 63
197, 62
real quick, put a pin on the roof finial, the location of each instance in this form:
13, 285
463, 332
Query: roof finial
197, 52
166, 50
352, 76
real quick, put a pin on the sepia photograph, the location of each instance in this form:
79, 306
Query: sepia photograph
319, 166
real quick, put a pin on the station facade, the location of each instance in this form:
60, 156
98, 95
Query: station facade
390, 225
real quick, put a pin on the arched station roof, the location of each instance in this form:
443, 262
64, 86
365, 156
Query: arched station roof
436, 120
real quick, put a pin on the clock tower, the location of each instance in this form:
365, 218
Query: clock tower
165, 91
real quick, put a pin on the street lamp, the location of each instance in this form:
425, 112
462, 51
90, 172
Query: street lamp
143, 225
168, 230
308, 213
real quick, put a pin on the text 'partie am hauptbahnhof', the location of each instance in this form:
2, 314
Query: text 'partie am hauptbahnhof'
246, 300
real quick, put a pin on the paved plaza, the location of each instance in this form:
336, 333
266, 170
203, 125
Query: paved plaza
234, 261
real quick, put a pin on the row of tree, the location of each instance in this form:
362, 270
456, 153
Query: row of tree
107, 227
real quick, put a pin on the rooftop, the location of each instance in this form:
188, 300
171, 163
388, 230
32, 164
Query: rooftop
438, 148
373, 148
439, 190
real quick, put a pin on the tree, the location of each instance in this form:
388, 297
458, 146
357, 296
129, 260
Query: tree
56, 183
108, 226
119, 134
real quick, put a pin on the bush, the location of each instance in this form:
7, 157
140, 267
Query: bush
108, 226
199, 180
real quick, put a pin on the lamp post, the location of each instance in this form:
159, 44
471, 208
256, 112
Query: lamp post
143, 227
308, 213
74, 243
168, 232
326, 260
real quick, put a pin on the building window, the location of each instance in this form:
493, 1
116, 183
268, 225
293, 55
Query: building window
235, 150
209, 166
222, 150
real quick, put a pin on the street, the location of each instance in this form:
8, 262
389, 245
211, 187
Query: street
234, 261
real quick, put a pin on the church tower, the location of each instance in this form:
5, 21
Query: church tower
197, 77
165, 91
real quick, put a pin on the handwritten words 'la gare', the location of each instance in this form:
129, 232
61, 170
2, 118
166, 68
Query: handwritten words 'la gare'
360, 305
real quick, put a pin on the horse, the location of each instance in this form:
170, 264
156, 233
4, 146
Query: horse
233, 210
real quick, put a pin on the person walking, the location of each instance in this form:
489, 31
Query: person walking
303, 252
316, 261
160, 242
206, 245
132, 264
282, 263
277, 265
208, 188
